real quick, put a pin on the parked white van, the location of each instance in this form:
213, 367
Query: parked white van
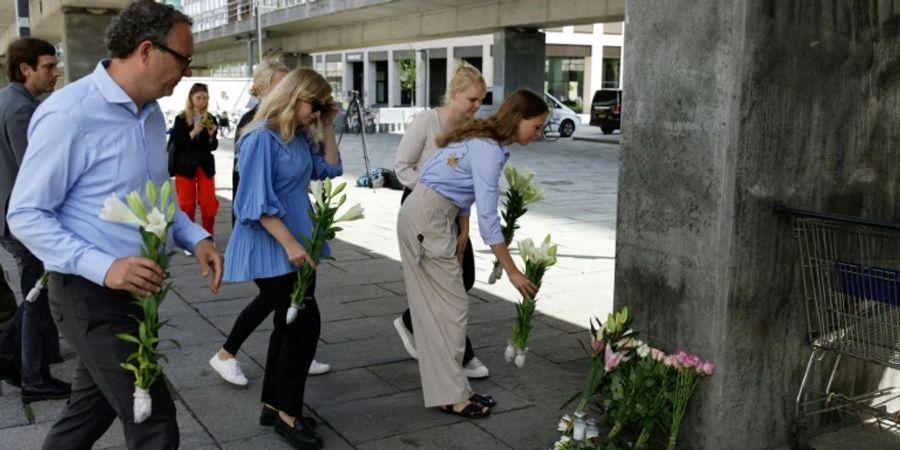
560, 114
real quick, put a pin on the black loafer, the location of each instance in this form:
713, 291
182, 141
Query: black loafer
49, 390
268, 417
299, 436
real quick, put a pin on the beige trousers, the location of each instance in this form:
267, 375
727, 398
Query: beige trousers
426, 231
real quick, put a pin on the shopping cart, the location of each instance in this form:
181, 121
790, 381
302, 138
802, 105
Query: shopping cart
851, 284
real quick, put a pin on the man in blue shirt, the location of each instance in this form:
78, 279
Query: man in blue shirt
100, 135
32, 70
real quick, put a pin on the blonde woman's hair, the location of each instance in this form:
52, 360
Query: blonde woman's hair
278, 109
522, 104
189, 103
464, 76
262, 77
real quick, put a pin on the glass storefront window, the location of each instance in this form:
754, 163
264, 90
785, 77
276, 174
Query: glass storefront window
565, 80
611, 73
334, 73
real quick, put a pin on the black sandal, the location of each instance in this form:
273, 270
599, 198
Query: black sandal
485, 400
473, 410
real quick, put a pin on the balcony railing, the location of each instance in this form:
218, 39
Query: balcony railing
210, 14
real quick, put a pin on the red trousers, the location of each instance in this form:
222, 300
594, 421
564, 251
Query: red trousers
201, 190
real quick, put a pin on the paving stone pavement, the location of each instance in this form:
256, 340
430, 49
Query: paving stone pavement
371, 399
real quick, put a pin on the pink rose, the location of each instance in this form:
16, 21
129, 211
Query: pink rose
708, 368
657, 354
670, 361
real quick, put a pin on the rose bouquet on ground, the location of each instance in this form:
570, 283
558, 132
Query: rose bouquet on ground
643, 392
537, 261
520, 193
154, 228
323, 220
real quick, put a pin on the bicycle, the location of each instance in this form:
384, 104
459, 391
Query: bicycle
550, 132
226, 128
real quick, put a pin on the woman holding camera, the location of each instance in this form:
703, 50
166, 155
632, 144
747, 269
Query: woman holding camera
193, 140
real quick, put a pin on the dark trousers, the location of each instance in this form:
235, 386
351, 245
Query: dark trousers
235, 179
468, 272
31, 335
292, 347
89, 317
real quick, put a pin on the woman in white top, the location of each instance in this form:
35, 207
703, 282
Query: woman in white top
464, 94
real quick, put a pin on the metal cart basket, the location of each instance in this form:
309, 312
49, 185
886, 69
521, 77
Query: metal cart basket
851, 285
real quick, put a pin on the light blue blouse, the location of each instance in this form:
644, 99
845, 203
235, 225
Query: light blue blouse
469, 172
274, 180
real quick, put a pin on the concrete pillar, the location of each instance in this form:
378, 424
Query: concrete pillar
738, 107
83, 45
393, 81
368, 81
421, 78
518, 61
487, 64
451, 64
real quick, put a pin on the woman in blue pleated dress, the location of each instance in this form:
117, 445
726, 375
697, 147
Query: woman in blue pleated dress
279, 157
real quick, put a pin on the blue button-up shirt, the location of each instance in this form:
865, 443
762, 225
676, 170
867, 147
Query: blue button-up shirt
85, 142
469, 172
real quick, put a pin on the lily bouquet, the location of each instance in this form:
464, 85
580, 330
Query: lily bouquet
323, 219
154, 229
520, 193
537, 261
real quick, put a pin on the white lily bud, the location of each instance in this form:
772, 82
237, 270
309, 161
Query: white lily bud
143, 404
33, 294
291, 314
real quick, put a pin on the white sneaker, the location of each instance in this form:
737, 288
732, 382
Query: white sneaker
407, 338
188, 253
318, 368
476, 369
229, 369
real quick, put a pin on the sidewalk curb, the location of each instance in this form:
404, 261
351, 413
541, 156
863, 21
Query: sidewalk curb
593, 139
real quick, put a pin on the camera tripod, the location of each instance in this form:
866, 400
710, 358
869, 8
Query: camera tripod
355, 109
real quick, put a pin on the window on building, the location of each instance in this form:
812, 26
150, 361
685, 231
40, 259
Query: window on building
334, 73
612, 28
589, 29
553, 30
611, 67
381, 82
565, 79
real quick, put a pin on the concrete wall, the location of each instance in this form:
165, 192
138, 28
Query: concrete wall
729, 109
83, 46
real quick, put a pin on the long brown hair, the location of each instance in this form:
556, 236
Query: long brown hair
522, 104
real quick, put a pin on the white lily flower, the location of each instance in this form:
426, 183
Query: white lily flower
564, 423
156, 223
114, 210
165, 194
318, 191
354, 213
150, 190
562, 443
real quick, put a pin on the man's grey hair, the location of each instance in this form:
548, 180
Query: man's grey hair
141, 20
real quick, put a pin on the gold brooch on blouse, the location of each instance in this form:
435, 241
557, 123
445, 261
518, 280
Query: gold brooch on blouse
452, 161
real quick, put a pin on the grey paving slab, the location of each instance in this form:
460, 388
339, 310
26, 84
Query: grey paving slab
393, 305
341, 386
449, 437
337, 331
498, 332
228, 412
397, 287
350, 293
507, 427
364, 353
384, 416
